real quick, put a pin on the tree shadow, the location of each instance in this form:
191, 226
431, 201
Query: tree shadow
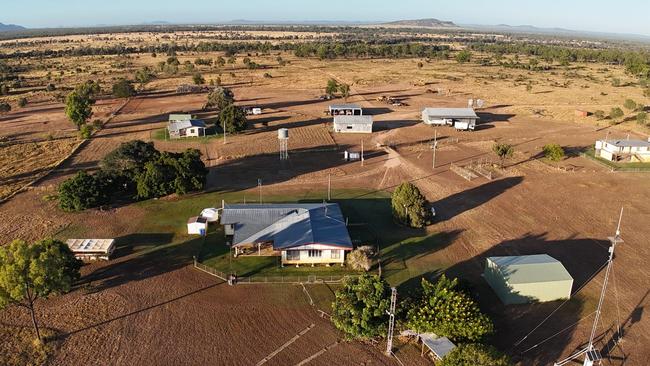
460, 202
487, 117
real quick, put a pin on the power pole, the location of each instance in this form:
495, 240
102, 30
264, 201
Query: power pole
259, 186
329, 187
391, 321
435, 146
224, 131
361, 152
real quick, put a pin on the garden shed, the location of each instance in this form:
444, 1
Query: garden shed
528, 278
197, 225
353, 124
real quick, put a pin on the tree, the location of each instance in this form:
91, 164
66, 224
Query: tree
4, 89
448, 312
616, 113
29, 272
503, 151
50, 87
156, 180
344, 89
360, 306
464, 56
629, 104
78, 107
22, 102
332, 87
172, 173
221, 62
198, 79
129, 158
360, 259
144, 76
642, 118
600, 114
86, 131
475, 355
5, 107
233, 118
409, 205
83, 191
123, 89
553, 152
220, 98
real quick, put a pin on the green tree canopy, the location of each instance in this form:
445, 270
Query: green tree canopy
198, 79
233, 118
409, 205
629, 104
616, 113
123, 89
144, 76
475, 355
332, 87
220, 98
5, 107
464, 56
448, 312
360, 306
40, 270
172, 173
503, 151
78, 107
83, 191
642, 118
553, 152
344, 89
129, 158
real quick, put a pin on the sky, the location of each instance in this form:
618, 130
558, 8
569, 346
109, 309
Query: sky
621, 16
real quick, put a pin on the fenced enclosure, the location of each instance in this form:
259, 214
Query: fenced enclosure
463, 172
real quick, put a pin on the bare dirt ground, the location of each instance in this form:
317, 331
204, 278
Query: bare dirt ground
182, 316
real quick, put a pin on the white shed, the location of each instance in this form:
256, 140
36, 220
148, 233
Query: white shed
197, 225
91, 249
461, 118
352, 124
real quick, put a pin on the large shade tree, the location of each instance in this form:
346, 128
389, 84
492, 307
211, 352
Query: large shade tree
360, 307
220, 98
232, 119
448, 312
29, 272
475, 355
409, 205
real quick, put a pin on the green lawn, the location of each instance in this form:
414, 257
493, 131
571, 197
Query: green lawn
163, 135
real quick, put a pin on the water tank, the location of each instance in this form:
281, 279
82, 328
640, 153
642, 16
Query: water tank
283, 133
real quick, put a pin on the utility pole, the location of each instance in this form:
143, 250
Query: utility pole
259, 186
362, 153
435, 146
391, 321
224, 131
329, 187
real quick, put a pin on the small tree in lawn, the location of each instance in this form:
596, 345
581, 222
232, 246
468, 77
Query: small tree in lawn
409, 205
220, 98
553, 152
332, 87
29, 272
475, 355
448, 312
360, 306
503, 151
233, 118
360, 259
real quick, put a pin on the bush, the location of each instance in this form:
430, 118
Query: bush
22, 102
82, 191
220, 97
268, 75
629, 104
503, 151
616, 113
233, 118
464, 56
361, 258
553, 152
360, 306
409, 205
50, 87
475, 355
599, 114
198, 79
642, 118
448, 312
123, 89
5, 107
85, 131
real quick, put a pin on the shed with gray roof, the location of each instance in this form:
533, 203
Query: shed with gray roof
183, 125
460, 118
353, 124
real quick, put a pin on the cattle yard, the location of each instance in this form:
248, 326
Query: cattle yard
150, 298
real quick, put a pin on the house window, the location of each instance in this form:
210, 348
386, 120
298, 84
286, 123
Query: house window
349, 127
293, 255
313, 253
336, 254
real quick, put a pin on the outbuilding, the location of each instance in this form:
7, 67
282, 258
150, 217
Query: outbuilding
91, 249
183, 125
461, 118
197, 225
624, 150
528, 278
345, 109
353, 124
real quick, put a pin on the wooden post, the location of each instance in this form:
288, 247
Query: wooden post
362, 152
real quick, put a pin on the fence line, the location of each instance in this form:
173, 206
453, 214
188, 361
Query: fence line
210, 270
613, 168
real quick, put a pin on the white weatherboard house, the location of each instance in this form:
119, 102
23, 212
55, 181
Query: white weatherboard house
183, 125
623, 150
353, 124
461, 118
91, 249
312, 233
528, 278
345, 110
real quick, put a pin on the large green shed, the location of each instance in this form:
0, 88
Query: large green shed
528, 278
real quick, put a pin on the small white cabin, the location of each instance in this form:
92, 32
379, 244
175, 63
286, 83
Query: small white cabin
197, 225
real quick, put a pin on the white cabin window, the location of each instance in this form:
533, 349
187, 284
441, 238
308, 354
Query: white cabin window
314, 253
293, 255
336, 254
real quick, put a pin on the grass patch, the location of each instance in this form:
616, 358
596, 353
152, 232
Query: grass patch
635, 166
163, 135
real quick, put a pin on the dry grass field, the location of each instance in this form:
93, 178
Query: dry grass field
149, 306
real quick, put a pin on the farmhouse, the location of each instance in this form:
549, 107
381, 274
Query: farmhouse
183, 125
91, 249
353, 124
623, 150
345, 109
197, 225
313, 233
460, 118
528, 278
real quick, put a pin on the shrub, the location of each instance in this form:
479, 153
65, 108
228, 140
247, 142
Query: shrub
5, 107
553, 152
409, 205
599, 114
475, 355
629, 104
360, 306
198, 79
220, 98
361, 258
463, 56
22, 102
448, 312
332, 87
123, 89
82, 191
85, 131
642, 118
50, 87
503, 151
616, 113
268, 75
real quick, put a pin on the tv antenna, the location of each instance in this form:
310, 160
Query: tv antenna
391, 321
593, 355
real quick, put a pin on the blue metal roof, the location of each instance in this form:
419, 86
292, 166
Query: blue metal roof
287, 225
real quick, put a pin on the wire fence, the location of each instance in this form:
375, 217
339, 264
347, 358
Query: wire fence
615, 167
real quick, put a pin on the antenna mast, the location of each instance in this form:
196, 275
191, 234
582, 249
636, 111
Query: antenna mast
592, 355
391, 321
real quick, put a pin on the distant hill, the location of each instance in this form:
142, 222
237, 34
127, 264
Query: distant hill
10, 27
423, 23
531, 29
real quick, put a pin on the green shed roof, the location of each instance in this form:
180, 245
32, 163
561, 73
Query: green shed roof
531, 269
